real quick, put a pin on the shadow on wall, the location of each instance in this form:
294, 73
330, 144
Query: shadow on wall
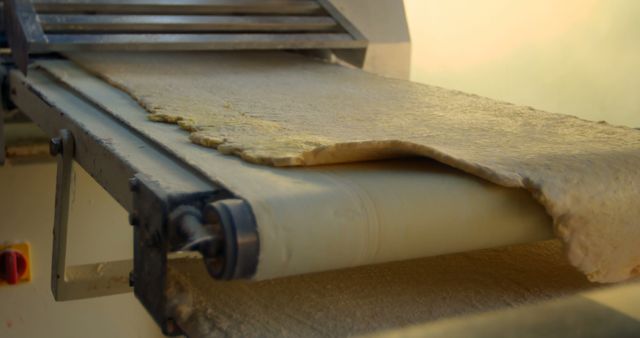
578, 57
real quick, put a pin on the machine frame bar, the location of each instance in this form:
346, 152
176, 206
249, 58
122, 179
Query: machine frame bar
147, 181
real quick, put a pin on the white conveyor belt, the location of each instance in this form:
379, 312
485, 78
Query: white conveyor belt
323, 218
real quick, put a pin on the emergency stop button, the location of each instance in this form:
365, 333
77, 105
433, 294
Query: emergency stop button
14, 264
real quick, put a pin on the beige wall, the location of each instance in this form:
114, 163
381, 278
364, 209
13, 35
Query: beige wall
579, 57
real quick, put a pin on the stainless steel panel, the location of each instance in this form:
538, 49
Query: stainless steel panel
179, 6
73, 42
183, 23
249, 24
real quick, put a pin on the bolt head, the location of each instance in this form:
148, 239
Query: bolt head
55, 146
134, 184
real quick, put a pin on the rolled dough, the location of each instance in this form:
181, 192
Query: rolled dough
287, 110
369, 212
372, 298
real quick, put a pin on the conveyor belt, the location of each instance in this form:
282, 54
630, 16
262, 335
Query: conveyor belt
287, 110
251, 221
336, 216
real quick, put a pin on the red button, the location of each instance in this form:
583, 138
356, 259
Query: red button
13, 265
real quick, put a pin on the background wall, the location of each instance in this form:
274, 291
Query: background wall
578, 57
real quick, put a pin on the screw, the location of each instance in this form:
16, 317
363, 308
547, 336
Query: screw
55, 146
134, 220
134, 184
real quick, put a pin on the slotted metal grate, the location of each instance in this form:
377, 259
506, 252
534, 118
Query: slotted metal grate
42, 26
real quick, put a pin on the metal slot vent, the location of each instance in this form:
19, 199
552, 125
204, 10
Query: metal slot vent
42, 26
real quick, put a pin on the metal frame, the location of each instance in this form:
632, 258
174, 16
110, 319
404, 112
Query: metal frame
80, 281
354, 56
5, 107
178, 6
172, 206
23, 30
45, 26
3, 145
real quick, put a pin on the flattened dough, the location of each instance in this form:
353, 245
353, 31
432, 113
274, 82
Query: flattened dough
287, 110
352, 302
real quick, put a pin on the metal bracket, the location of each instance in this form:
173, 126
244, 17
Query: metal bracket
79, 281
353, 56
4, 108
3, 146
150, 250
221, 228
23, 30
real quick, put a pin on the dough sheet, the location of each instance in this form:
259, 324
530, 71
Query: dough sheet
328, 217
284, 109
372, 298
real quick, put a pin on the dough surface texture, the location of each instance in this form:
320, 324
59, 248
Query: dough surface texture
352, 302
283, 109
